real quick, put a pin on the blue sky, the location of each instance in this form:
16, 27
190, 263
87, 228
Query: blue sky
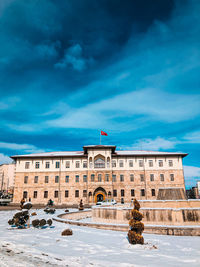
69, 69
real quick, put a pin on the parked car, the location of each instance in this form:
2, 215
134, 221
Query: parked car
106, 202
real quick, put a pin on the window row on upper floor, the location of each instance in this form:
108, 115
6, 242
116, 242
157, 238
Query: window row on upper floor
99, 178
85, 193
99, 163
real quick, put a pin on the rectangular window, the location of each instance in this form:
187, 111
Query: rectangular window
113, 163
77, 164
141, 163
142, 192
67, 164
170, 163
76, 193
130, 163
150, 163
77, 178
92, 177
107, 177
172, 177
84, 193
151, 177
56, 179
122, 192
114, 193
45, 194
25, 179
121, 178
132, 192
114, 178
142, 177
47, 164
162, 177
35, 194
131, 177
46, 179
108, 163
36, 179
66, 193
121, 163
99, 177
84, 164
56, 194
27, 165
160, 163
67, 179
153, 192
25, 194
37, 165
57, 164
85, 178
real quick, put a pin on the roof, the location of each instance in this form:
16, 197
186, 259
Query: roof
114, 153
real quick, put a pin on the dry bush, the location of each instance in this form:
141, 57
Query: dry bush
136, 204
42, 222
137, 226
67, 232
49, 222
35, 223
136, 215
135, 238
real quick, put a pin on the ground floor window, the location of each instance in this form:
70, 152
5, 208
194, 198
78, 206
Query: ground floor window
56, 194
132, 192
92, 177
122, 192
172, 177
84, 193
25, 194
142, 192
66, 193
153, 192
114, 193
35, 194
45, 194
76, 193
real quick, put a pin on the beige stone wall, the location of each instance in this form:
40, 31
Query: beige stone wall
127, 185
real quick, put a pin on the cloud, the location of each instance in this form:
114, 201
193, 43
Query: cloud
5, 159
156, 105
192, 175
9, 102
74, 58
158, 143
192, 137
21, 147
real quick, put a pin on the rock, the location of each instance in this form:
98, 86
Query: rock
49, 210
33, 214
66, 210
67, 232
49, 221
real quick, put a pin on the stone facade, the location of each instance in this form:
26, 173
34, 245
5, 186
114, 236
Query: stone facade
96, 173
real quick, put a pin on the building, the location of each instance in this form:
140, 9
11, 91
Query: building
7, 176
98, 172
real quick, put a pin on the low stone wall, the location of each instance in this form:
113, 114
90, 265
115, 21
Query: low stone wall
150, 229
181, 213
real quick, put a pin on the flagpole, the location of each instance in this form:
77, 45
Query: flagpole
100, 137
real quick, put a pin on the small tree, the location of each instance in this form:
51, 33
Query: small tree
136, 226
81, 205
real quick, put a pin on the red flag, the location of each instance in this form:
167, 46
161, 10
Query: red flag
103, 133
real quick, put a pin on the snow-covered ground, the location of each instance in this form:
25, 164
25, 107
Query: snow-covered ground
90, 247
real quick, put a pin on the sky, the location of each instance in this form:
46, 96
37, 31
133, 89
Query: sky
69, 69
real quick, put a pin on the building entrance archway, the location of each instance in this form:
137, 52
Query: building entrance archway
99, 194
100, 197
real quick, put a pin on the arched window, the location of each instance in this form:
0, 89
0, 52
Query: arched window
109, 194
90, 162
99, 163
90, 194
99, 177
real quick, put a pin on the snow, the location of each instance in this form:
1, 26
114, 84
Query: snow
90, 247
